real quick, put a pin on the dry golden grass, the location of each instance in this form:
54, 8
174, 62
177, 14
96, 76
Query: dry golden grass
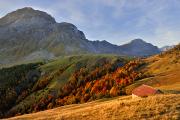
165, 69
175, 87
159, 107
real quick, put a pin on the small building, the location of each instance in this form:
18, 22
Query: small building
144, 91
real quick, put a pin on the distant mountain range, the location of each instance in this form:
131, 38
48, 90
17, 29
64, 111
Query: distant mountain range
166, 48
28, 34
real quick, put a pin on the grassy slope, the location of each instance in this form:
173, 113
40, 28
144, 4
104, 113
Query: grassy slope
164, 70
161, 107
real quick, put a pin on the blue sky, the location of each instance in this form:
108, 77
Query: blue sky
117, 21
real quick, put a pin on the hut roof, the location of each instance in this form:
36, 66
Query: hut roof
145, 90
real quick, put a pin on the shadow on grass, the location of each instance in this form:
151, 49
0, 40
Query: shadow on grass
171, 91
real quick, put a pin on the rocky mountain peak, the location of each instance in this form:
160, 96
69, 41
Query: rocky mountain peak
138, 41
26, 15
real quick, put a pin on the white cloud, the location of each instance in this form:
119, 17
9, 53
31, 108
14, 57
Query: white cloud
165, 36
111, 19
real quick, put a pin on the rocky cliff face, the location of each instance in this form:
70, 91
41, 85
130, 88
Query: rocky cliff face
28, 33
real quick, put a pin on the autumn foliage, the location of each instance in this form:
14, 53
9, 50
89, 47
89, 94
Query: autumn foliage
106, 79
85, 85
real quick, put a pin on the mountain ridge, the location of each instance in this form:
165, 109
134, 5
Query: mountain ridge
27, 31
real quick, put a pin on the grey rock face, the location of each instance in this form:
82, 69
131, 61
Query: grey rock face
28, 34
25, 31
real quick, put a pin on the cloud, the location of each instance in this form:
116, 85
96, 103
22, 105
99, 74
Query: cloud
165, 35
117, 21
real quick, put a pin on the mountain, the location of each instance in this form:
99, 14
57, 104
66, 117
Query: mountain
166, 48
28, 34
138, 47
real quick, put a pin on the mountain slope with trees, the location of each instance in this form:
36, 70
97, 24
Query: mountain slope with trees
85, 78
68, 80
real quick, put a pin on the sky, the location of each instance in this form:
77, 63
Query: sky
116, 21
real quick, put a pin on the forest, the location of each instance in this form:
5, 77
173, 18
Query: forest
107, 78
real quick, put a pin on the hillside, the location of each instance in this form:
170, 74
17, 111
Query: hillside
164, 71
161, 107
66, 80
27, 34
85, 78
